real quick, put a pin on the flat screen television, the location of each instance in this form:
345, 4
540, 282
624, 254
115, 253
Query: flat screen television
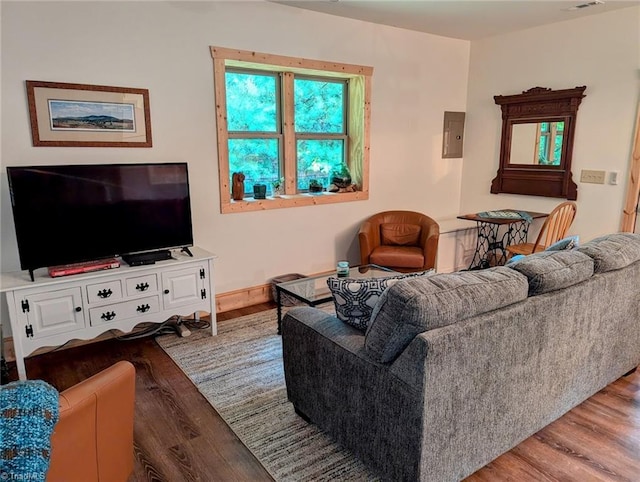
77, 213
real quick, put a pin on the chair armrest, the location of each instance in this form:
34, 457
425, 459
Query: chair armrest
93, 439
369, 239
429, 241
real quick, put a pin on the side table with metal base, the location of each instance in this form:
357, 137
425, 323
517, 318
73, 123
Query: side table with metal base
490, 246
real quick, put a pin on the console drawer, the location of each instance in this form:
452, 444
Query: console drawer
104, 291
142, 284
124, 310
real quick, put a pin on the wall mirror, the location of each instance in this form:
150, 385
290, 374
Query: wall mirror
537, 143
538, 128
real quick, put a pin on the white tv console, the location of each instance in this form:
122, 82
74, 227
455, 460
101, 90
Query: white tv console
49, 312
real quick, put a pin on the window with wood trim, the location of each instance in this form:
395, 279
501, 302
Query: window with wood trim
296, 124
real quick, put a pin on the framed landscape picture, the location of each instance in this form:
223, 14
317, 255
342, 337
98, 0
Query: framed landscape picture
80, 115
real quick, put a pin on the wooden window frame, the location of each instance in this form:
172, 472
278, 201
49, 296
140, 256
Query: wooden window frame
357, 131
629, 213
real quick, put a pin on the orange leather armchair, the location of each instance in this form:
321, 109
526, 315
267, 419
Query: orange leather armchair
93, 439
401, 240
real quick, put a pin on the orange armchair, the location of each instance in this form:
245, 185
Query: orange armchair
93, 439
401, 240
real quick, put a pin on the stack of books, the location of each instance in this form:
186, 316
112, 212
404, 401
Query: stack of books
85, 267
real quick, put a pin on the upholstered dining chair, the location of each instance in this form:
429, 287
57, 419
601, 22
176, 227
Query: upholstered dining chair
401, 240
554, 229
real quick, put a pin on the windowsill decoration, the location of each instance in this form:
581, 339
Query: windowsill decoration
260, 191
315, 186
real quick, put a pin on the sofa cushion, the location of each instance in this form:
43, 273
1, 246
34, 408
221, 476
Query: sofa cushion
355, 299
399, 234
417, 305
553, 270
613, 251
398, 256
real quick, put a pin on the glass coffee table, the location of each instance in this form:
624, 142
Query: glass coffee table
314, 290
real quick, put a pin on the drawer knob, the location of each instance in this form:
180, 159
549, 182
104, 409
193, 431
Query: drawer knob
108, 316
166, 292
78, 309
143, 308
142, 286
105, 293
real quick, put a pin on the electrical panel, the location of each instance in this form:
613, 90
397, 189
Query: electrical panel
453, 135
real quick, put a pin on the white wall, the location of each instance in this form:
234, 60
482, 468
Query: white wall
165, 47
600, 51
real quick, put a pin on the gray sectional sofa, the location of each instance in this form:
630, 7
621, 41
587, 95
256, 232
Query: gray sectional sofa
456, 369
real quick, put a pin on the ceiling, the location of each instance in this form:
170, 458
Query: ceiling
468, 19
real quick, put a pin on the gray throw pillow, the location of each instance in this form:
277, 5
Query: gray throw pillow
553, 270
355, 298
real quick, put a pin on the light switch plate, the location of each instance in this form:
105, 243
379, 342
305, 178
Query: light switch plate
593, 177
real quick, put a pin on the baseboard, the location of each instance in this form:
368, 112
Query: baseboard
254, 295
233, 300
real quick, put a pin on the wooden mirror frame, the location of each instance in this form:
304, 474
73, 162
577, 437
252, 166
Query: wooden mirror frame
538, 104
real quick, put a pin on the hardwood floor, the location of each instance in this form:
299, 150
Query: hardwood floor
179, 436
599, 440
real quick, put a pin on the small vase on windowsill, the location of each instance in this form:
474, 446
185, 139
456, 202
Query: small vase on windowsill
259, 191
278, 187
315, 186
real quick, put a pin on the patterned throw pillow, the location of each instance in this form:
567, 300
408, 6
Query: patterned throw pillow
355, 299
28, 414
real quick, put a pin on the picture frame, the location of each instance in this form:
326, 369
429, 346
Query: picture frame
83, 115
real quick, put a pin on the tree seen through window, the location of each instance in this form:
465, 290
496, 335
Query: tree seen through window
550, 137
255, 127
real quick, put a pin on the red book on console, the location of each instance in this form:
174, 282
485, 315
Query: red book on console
75, 268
